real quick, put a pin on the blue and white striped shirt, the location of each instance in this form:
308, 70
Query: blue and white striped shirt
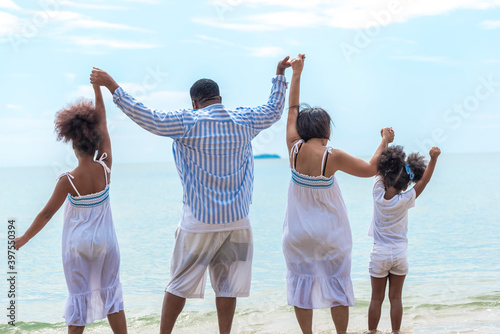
212, 150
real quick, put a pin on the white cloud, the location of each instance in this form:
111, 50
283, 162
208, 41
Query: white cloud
111, 43
233, 26
258, 51
8, 23
20, 75
74, 20
9, 4
492, 61
290, 19
151, 2
58, 23
167, 100
399, 40
266, 51
94, 24
57, 15
13, 106
490, 24
488, 116
90, 5
267, 22
215, 40
70, 76
283, 3
428, 59
85, 91
347, 14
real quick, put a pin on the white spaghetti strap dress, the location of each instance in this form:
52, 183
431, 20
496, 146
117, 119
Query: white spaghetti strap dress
317, 241
91, 257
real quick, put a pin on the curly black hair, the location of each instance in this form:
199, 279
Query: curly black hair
313, 123
392, 167
78, 122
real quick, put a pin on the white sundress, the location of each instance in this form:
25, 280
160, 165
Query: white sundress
317, 241
91, 257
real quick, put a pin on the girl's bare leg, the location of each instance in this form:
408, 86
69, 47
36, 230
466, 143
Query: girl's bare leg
304, 317
378, 294
340, 316
118, 322
395, 291
75, 329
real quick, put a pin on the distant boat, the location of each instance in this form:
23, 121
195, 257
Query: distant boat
266, 156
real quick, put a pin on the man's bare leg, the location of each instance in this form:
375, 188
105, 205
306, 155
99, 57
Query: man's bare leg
225, 313
172, 307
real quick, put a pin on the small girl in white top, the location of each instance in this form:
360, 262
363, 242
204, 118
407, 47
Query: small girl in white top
391, 201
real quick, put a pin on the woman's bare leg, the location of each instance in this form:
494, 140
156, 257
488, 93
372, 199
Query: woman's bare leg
118, 322
340, 316
378, 294
75, 329
304, 317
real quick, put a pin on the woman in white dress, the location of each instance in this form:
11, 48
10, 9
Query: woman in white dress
317, 238
91, 257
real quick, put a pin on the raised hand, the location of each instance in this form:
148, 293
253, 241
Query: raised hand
283, 65
102, 78
298, 63
20, 242
387, 134
434, 152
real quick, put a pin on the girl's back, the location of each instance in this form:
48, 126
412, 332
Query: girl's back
89, 178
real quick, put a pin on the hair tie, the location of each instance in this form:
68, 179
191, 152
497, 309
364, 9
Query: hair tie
409, 172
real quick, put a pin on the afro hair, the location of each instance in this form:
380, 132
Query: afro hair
392, 167
78, 123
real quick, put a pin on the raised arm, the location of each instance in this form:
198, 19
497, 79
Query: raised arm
56, 200
264, 116
420, 185
292, 136
358, 167
162, 123
105, 144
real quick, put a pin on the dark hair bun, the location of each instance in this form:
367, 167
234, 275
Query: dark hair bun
78, 122
313, 123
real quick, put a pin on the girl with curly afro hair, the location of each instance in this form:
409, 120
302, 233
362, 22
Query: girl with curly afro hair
91, 257
389, 226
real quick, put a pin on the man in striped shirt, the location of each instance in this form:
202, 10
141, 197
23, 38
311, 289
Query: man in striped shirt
213, 155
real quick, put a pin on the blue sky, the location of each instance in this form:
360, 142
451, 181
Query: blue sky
429, 69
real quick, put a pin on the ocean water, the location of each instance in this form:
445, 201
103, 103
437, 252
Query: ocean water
454, 232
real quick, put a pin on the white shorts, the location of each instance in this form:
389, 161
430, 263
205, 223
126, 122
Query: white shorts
227, 255
385, 260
